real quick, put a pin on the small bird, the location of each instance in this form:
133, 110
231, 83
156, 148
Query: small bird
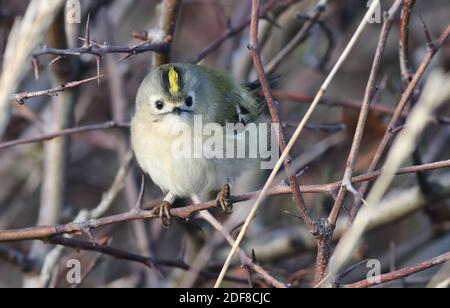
172, 98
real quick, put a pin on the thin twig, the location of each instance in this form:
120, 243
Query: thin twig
403, 147
64, 132
244, 258
347, 186
390, 132
21, 97
254, 48
149, 262
402, 273
299, 38
185, 212
16, 258
404, 39
100, 50
232, 31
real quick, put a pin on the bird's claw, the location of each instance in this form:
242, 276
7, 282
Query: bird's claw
223, 199
163, 211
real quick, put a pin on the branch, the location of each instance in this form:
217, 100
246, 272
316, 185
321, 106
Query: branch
403, 146
149, 262
171, 9
404, 39
246, 261
21, 97
44, 232
64, 132
16, 258
362, 121
390, 132
381, 109
299, 129
254, 49
100, 50
229, 34
403, 273
298, 38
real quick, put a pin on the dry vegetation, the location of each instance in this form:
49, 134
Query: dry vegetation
364, 173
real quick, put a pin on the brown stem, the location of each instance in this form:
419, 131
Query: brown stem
125, 255
390, 132
324, 249
171, 9
254, 48
229, 34
402, 273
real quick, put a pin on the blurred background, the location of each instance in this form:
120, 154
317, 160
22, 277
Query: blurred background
39, 189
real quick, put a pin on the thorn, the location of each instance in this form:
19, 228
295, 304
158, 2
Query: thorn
292, 215
140, 199
349, 187
98, 68
87, 230
301, 172
35, 63
54, 61
254, 260
140, 35
427, 33
87, 40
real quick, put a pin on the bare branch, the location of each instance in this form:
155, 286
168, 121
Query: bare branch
402, 273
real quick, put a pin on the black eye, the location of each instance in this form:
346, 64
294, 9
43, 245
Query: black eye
189, 101
159, 105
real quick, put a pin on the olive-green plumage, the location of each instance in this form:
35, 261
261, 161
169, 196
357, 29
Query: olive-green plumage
174, 95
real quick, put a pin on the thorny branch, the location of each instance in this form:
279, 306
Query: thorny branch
21, 97
293, 182
399, 274
406, 96
152, 263
351, 160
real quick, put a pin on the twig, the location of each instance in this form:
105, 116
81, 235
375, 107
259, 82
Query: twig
100, 50
119, 105
16, 258
54, 178
404, 39
185, 212
21, 97
299, 130
402, 273
244, 258
169, 16
365, 109
404, 146
387, 138
22, 40
124, 255
298, 38
254, 49
232, 31
64, 132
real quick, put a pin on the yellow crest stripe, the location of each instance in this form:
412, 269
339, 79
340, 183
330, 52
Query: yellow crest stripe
174, 86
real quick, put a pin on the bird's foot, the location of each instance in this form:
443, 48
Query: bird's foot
223, 199
163, 211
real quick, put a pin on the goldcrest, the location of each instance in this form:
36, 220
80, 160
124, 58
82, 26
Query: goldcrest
170, 100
